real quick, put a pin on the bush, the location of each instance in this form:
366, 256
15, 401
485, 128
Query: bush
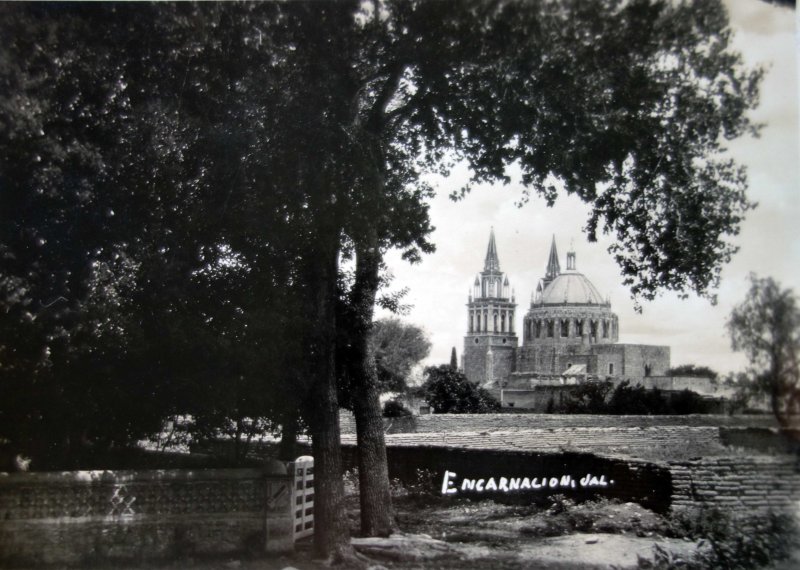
602, 398
588, 398
449, 392
734, 544
395, 409
636, 400
688, 402
692, 370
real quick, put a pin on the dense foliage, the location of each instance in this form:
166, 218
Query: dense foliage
692, 370
449, 392
178, 182
127, 276
398, 347
395, 409
624, 399
756, 541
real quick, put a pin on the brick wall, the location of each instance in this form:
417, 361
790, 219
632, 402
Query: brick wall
739, 484
77, 517
445, 423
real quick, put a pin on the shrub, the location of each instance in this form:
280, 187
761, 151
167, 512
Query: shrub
735, 544
588, 398
449, 392
395, 409
688, 402
599, 397
692, 370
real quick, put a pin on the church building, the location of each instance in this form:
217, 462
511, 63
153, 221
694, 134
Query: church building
569, 334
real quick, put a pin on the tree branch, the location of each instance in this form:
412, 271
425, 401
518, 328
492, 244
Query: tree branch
387, 93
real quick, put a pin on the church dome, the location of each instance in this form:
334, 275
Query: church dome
571, 288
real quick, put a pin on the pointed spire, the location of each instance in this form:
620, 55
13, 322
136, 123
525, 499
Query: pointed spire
492, 262
553, 266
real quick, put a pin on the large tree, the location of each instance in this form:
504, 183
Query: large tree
624, 104
297, 128
398, 348
141, 140
108, 183
766, 326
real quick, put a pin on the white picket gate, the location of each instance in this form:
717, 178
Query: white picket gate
303, 496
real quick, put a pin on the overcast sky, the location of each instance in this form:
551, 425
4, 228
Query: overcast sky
693, 328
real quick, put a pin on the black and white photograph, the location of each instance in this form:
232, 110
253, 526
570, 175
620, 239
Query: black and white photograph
400, 285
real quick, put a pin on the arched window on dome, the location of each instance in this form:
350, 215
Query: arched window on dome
565, 328
579, 328
538, 329
593, 330
550, 328
606, 327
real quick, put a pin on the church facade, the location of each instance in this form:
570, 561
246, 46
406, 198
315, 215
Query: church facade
569, 334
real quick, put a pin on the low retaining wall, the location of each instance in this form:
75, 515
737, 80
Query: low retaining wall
740, 485
445, 423
626, 480
81, 516
761, 439
628, 441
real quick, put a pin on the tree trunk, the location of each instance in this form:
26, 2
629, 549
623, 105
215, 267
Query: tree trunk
331, 536
377, 518
287, 449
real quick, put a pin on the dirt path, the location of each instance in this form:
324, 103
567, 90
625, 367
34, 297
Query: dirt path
575, 551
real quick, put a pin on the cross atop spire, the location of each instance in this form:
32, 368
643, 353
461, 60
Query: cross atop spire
492, 262
553, 266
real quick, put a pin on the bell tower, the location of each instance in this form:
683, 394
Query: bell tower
488, 356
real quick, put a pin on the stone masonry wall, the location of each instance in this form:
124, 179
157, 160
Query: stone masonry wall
77, 517
637, 356
739, 484
475, 357
615, 440
446, 423
627, 480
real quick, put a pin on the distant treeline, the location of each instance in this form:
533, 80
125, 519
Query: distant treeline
603, 398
